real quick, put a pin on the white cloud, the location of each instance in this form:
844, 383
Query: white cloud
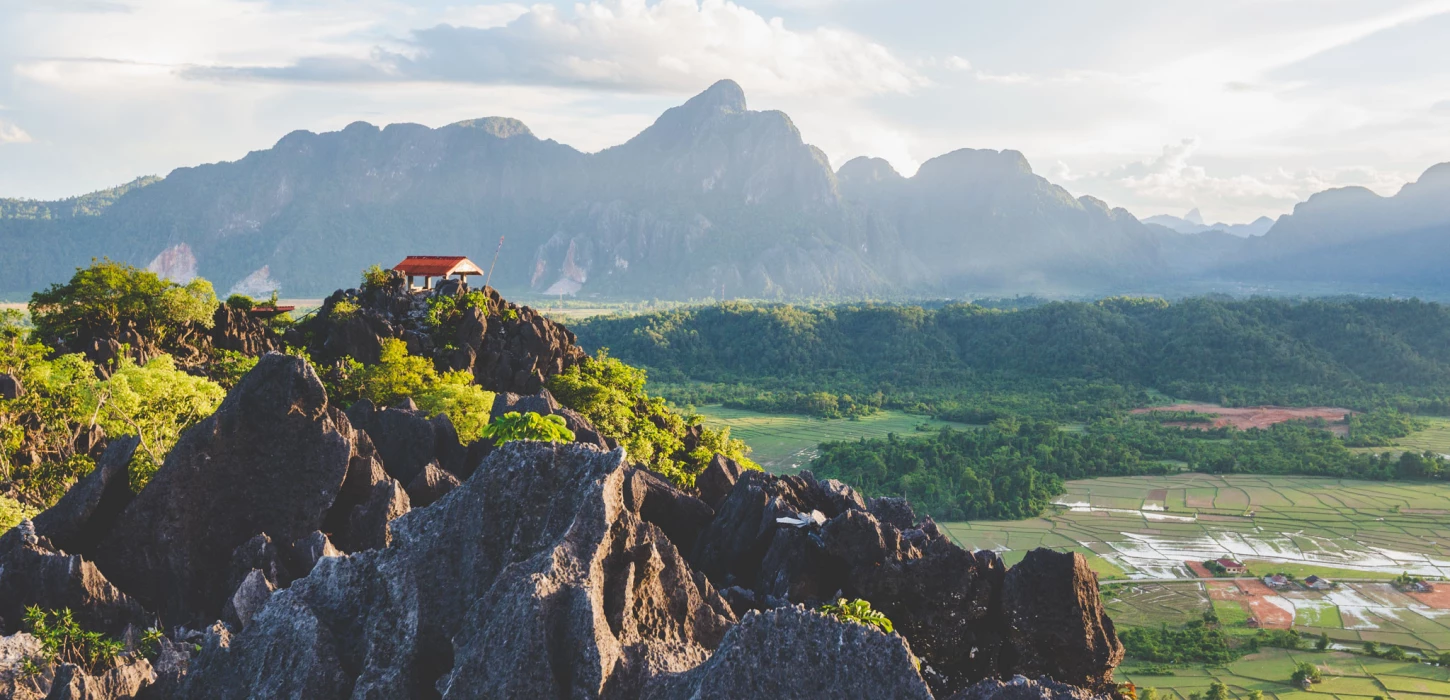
958, 63
628, 45
10, 133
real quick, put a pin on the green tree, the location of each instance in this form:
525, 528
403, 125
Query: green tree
466, 404
1372, 648
1255, 695
107, 296
155, 401
1148, 694
1323, 642
1217, 691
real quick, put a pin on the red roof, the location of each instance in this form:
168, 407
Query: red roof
437, 266
1230, 564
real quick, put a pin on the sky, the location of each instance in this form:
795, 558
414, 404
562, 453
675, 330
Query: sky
1240, 108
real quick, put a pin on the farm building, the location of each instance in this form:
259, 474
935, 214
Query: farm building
1276, 581
1422, 587
1318, 583
1232, 567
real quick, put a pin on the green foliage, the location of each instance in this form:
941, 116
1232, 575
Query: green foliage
1148, 694
1304, 671
528, 426
397, 374
466, 404
1372, 648
344, 310
1380, 427
1195, 642
241, 302
1283, 639
1062, 360
1217, 691
150, 643
374, 277
108, 295
612, 396
12, 512
63, 640
229, 366
157, 402
858, 611
1322, 643
1255, 695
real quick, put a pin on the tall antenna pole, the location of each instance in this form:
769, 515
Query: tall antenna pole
496, 251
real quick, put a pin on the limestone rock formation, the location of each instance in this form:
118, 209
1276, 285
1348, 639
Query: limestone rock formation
33, 572
272, 460
1023, 688
1055, 621
533, 577
794, 654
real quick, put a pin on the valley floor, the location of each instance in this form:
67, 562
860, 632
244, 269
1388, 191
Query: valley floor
1346, 677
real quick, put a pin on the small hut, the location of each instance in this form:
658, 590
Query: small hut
429, 266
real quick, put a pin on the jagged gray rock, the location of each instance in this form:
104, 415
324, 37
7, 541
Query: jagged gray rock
272, 459
533, 577
719, 477
792, 653
251, 595
10, 387
431, 484
1055, 621
369, 527
33, 572
1023, 688
123, 680
78, 521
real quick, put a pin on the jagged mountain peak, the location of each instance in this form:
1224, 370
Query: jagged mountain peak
725, 96
501, 127
866, 169
973, 164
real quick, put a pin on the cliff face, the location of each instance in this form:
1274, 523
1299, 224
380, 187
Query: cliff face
711, 197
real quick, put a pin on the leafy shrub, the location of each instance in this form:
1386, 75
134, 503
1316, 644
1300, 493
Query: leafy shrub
375, 277
467, 406
858, 611
1306, 671
344, 310
12, 512
229, 366
63, 640
528, 426
1195, 642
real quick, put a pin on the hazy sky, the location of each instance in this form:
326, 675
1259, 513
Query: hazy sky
1238, 107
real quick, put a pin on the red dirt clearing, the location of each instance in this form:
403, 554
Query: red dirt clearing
1199, 569
1252, 416
1439, 598
1270, 616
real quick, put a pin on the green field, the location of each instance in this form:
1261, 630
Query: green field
783, 442
1346, 677
1435, 438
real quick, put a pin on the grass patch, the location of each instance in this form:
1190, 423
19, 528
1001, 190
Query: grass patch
785, 442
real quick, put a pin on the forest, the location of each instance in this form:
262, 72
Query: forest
1025, 372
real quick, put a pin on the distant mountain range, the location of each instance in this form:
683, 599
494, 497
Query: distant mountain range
1193, 223
711, 199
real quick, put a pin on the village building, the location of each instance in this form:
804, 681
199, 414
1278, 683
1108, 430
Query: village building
1422, 587
441, 266
1276, 580
1232, 567
1317, 583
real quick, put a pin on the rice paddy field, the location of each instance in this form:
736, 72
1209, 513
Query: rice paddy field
1435, 438
782, 442
1345, 677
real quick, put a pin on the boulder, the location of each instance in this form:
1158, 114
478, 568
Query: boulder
308, 550
430, 485
1023, 688
123, 680
272, 459
533, 578
1055, 621
78, 521
14, 684
715, 482
250, 596
33, 572
791, 653
10, 387
369, 526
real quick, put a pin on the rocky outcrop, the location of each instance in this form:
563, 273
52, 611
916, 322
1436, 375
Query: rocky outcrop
794, 654
718, 478
86, 512
534, 577
779, 540
239, 331
1023, 688
506, 347
544, 404
123, 680
407, 440
272, 459
34, 572
1055, 621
